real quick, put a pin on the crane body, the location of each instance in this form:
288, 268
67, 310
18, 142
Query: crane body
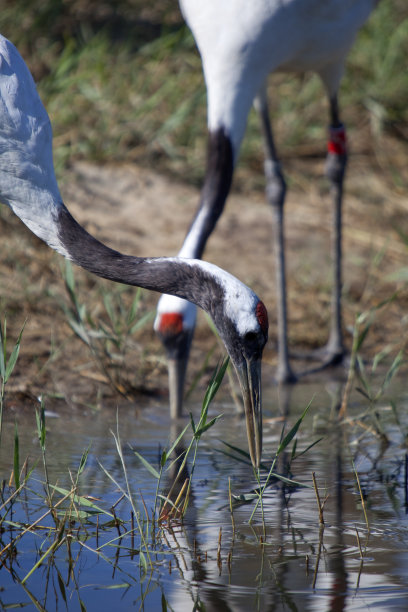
240, 44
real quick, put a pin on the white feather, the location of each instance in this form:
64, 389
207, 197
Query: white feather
27, 179
242, 41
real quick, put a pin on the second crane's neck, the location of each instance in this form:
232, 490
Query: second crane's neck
217, 183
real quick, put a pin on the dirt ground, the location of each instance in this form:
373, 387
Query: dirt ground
141, 212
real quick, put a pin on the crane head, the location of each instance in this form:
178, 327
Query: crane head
245, 333
174, 325
242, 322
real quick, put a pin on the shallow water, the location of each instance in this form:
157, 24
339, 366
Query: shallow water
284, 561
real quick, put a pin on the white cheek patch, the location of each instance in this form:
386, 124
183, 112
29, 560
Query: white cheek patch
240, 300
240, 307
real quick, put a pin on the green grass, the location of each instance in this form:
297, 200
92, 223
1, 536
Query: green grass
125, 83
7, 365
111, 335
63, 518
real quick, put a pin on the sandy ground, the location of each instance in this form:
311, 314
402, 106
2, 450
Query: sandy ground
141, 212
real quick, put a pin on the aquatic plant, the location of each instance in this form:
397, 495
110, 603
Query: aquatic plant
7, 364
109, 337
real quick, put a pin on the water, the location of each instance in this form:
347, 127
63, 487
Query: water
287, 561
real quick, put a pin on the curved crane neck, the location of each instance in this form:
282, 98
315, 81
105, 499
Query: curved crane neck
199, 282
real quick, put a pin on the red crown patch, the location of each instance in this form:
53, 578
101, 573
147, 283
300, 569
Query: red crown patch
171, 323
262, 316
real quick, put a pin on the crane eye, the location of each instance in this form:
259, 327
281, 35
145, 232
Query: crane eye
250, 337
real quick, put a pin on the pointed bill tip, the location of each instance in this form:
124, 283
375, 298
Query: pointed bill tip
177, 371
249, 374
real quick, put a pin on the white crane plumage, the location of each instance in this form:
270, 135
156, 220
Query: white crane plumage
29, 187
240, 44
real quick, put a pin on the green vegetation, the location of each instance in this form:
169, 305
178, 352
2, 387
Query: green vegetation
7, 364
68, 525
110, 336
71, 529
103, 73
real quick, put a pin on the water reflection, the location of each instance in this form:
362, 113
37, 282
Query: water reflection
214, 559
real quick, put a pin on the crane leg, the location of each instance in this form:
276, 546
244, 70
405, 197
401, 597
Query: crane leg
335, 171
275, 194
333, 352
336, 163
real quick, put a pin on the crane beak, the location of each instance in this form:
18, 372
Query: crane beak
249, 375
177, 370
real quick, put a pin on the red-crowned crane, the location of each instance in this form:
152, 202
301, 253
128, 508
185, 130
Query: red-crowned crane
28, 186
240, 43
